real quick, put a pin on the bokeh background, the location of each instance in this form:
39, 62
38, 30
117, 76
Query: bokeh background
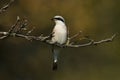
24, 60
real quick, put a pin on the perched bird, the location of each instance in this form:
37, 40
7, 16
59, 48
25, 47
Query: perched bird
59, 36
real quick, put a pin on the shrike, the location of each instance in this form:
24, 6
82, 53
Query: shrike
59, 36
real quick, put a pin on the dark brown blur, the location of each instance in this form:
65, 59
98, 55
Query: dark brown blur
21, 59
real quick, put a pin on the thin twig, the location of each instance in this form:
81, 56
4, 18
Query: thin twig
29, 32
20, 25
4, 8
92, 42
76, 35
6, 34
13, 26
105, 40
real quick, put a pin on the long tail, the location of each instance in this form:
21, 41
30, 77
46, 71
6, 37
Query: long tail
55, 58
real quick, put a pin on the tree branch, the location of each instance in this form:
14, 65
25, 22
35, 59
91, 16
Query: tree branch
92, 42
4, 8
13, 33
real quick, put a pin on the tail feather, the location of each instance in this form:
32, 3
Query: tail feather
55, 58
55, 61
55, 65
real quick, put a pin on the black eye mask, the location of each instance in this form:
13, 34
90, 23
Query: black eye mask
59, 19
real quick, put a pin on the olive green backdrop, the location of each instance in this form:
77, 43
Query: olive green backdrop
24, 60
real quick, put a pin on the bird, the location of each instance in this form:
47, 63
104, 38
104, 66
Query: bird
59, 36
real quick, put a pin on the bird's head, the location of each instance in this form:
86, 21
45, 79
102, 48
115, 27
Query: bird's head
58, 19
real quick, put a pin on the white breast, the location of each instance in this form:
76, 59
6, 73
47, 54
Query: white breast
59, 34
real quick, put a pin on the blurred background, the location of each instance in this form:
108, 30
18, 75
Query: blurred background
21, 59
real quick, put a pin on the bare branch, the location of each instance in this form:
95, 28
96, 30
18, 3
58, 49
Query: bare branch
105, 40
92, 42
13, 26
4, 8
23, 25
76, 35
46, 39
